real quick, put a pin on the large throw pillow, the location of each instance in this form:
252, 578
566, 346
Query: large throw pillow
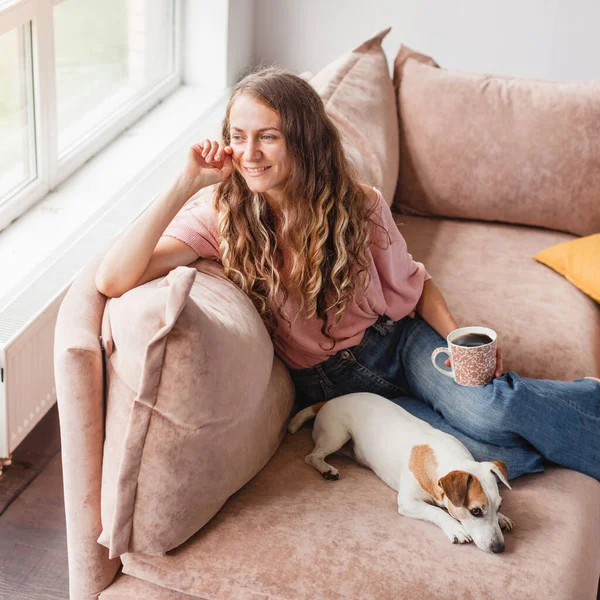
195, 406
497, 148
359, 98
578, 261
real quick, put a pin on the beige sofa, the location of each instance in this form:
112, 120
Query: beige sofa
289, 534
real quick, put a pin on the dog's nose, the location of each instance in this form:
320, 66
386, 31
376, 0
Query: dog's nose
498, 547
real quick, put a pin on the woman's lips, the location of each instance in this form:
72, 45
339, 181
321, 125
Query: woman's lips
256, 171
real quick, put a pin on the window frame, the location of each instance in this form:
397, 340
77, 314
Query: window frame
50, 170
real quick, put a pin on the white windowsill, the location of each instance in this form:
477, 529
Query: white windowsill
40, 235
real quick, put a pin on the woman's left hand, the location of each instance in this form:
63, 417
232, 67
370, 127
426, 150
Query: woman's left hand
499, 366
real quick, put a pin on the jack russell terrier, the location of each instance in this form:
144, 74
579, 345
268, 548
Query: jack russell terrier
428, 468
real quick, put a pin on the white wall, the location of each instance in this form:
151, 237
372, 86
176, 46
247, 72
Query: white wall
553, 39
217, 41
241, 38
205, 43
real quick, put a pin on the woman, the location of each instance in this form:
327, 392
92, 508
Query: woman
322, 260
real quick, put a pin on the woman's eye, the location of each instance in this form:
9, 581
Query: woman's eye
268, 137
476, 512
236, 138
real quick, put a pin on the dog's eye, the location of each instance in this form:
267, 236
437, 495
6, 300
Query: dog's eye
476, 512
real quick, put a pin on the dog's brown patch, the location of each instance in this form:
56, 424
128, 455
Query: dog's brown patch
455, 486
423, 466
502, 468
475, 496
464, 493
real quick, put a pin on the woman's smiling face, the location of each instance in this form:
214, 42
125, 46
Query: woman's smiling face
259, 148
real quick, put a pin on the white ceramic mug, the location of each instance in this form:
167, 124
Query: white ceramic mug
471, 365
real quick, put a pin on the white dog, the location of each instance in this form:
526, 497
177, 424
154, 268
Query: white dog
428, 468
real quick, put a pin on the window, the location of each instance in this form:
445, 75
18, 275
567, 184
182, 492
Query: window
73, 75
17, 158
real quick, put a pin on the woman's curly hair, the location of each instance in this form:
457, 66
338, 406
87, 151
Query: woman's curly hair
325, 216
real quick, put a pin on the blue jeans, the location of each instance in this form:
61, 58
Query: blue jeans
520, 421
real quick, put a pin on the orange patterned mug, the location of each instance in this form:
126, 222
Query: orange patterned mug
472, 352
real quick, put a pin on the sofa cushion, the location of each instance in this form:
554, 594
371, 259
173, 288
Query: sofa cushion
289, 534
546, 327
359, 98
497, 148
131, 588
578, 261
193, 411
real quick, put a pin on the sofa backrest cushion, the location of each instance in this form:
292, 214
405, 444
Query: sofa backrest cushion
358, 94
195, 407
496, 148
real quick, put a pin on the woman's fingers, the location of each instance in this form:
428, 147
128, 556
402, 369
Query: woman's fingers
213, 152
197, 150
499, 365
205, 147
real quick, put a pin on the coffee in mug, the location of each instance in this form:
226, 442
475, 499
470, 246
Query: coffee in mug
472, 352
471, 340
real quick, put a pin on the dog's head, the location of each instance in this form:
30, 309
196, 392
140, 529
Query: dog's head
474, 500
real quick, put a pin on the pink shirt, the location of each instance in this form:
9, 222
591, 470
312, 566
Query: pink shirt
394, 290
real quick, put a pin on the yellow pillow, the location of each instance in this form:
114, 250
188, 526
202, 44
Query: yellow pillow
578, 261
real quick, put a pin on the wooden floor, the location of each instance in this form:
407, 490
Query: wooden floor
33, 541
30, 458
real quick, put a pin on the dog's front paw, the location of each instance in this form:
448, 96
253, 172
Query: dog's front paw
457, 534
505, 523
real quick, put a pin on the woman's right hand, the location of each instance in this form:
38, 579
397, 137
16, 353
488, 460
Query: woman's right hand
208, 163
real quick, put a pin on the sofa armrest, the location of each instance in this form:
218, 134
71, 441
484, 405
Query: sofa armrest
78, 372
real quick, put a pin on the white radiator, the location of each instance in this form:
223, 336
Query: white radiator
27, 324
27, 381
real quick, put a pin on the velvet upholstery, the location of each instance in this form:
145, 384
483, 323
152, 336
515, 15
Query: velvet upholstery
546, 327
182, 434
131, 588
495, 148
359, 98
289, 534
78, 377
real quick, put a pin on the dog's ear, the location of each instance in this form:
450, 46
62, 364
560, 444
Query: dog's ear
499, 468
455, 486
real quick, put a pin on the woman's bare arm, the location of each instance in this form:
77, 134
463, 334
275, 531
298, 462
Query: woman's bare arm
140, 255
132, 260
433, 308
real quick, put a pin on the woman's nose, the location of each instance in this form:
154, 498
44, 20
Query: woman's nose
251, 151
